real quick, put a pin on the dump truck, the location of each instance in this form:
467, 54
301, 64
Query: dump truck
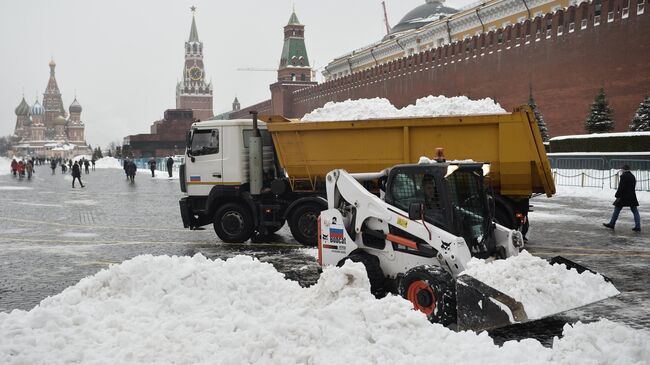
248, 176
417, 238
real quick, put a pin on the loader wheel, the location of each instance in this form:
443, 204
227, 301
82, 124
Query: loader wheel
373, 270
304, 224
233, 223
431, 291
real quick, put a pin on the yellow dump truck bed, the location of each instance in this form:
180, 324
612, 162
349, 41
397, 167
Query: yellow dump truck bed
511, 143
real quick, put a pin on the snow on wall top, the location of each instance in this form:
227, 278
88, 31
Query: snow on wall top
379, 108
191, 310
601, 135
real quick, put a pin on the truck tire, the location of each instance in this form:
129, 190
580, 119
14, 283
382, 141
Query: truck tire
233, 223
431, 290
373, 270
303, 223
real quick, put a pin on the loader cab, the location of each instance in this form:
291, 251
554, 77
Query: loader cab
450, 196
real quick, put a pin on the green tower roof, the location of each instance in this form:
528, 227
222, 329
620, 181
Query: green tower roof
194, 34
294, 19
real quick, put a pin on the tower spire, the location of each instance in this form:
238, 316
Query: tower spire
194, 34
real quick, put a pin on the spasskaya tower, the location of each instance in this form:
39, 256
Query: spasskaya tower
194, 92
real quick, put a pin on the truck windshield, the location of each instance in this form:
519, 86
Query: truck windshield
469, 206
204, 142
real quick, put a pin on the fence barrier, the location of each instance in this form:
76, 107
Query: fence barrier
598, 172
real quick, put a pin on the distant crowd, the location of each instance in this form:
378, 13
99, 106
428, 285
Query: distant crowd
130, 168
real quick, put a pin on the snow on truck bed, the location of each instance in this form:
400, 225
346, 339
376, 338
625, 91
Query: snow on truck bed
542, 288
191, 310
379, 108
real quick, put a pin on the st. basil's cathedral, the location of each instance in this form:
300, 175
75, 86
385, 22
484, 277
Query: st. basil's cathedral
46, 129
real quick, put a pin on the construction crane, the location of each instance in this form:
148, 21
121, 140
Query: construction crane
260, 69
383, 4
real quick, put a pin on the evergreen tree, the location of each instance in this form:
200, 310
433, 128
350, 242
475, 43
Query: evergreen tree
99, 153
543, 130
641, 121
600, 119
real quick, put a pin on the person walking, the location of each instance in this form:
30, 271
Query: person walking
126, 167
130, 169
14, 167
152, 166
29, 168
53, 166
76, 174
70, 164
87, 166
93, 162
170, 165
626, 197
21, 169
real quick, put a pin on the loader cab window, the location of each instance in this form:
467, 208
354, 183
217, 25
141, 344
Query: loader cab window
469, 205
204, 142
418, 187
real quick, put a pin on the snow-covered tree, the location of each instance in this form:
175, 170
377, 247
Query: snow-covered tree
600, 119
543, 130
641, 120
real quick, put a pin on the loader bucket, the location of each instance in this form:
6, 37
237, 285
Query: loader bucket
482, 307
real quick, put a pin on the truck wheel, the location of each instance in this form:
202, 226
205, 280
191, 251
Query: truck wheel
233, 223
373, 270
431, 291
304, 224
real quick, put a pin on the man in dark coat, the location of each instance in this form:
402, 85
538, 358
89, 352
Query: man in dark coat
626, 197
130, 169
76, 174
152, 166
170, 164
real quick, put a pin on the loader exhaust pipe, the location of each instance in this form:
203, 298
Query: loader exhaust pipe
255, 157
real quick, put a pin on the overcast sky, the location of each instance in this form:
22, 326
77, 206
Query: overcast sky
123, 58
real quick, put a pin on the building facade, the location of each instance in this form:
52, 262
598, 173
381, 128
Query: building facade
47, 129
193, 92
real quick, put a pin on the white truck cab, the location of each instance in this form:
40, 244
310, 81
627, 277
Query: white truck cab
217, 155
233, 180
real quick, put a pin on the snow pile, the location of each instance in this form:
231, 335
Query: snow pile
379, 108
605, 195
542, 288
190, 310
5, 166
108, 163
159, 174
376, 108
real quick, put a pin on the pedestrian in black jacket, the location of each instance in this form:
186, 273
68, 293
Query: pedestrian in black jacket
626, 197
76, 174
170, 165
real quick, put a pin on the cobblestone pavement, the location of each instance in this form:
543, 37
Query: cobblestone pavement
51, 236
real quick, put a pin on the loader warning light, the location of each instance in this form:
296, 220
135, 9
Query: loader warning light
440, 154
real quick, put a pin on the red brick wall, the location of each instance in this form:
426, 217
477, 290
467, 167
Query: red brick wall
565, 71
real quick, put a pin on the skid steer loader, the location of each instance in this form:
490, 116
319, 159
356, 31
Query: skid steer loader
416, 238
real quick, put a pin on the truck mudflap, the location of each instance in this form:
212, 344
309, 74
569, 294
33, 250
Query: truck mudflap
482, 307
186, 214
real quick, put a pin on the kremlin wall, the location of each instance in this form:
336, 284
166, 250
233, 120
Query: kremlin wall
564, 56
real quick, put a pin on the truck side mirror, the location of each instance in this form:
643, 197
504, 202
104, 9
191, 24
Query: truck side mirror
415, 211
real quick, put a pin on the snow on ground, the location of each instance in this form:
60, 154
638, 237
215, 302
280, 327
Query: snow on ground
191, 310
162, 175
379, 108
542, 288
5, 166
108, 163
604, 195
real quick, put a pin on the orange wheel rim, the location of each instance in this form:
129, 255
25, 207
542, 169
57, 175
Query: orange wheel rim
416, 292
